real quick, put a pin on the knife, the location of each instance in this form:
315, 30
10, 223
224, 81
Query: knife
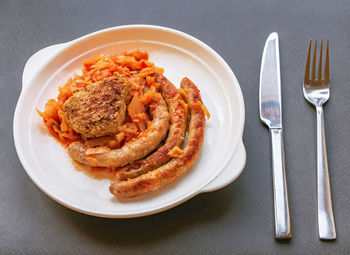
271, 114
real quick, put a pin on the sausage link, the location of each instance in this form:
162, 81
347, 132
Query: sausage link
177, 166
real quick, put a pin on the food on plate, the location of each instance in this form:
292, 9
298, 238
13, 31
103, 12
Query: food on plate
124, 117
146, 142
177, 166
134, 66
176, 135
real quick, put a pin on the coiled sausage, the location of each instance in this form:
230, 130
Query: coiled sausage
131, 151
177, 166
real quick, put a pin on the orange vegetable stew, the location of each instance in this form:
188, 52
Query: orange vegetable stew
136, 67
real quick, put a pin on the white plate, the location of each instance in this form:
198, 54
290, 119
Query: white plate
47, 162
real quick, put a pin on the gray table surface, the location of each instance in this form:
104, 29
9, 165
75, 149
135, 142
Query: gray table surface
235, 220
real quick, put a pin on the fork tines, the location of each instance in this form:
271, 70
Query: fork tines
313, 71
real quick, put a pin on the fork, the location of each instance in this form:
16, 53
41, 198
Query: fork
317, 92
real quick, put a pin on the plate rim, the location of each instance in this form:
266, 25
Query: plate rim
26, 166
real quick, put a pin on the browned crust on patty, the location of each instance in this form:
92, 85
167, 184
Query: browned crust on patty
176, 135
177, 166
99, 109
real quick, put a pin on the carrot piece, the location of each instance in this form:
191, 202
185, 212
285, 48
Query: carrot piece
97, 150
175, 152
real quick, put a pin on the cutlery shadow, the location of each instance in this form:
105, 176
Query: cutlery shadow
202, 209
283, 241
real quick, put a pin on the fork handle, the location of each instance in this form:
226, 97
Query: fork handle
326, 225
280, 192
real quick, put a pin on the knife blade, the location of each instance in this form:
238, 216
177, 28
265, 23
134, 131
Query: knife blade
270, 104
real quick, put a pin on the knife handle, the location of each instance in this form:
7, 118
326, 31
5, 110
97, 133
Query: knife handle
280, 192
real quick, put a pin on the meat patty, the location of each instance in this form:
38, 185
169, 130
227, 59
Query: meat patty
177, 166
134, 150
100, 108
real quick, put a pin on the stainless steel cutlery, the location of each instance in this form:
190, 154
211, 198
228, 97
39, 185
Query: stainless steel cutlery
271, 114
317, 91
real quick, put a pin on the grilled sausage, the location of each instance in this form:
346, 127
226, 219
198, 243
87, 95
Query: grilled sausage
132, 151
176, 135
177, 166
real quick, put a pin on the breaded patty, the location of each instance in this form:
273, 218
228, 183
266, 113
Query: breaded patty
100, 108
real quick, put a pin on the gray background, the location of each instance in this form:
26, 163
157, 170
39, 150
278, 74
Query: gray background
237, 219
